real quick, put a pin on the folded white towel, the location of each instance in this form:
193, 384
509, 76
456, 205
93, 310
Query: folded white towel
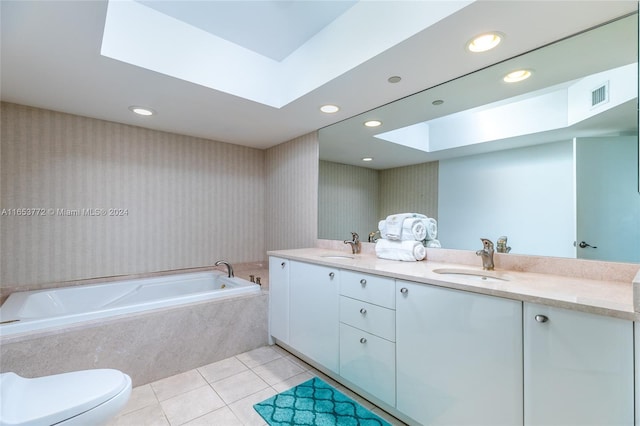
408, 251
395, 222
433, 243
432, 228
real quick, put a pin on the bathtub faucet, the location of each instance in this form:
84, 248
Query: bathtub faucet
228, 265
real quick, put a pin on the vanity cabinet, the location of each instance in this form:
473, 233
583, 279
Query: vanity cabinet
367, 333
279, 299
636, 327
578, 368
459, 357
314, 312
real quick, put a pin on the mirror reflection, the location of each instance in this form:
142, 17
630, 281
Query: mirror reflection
550, 162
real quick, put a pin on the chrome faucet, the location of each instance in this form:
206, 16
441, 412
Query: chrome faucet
374, 236
228, 265
355, 243
487, 254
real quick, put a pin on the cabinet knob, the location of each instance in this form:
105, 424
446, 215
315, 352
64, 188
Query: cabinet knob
404, 290
363, 311
363, 282
283, 264
363, 340
331, 275
542, 318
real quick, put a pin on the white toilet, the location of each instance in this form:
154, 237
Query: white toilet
82, 398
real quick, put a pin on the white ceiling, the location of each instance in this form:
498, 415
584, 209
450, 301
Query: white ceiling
50, 58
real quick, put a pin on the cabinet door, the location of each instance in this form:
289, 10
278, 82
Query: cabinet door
459, 357
369, 362
314, 314
578, 368
279, 298
636, 327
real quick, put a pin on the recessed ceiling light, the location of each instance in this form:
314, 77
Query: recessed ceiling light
394, 79
515, 76
141, 110
484, 42
367, 159
372, 123
437, 102
329, 109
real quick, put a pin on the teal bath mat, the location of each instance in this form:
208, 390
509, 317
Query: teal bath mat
315, 403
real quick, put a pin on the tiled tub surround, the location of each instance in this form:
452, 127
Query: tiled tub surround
148, 346
611, 297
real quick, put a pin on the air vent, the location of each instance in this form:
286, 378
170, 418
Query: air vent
600, 95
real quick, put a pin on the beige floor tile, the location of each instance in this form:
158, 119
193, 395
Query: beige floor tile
191, 405
244, 410
292, 382
299, 362
259, 356
151, 415
220, 417
141, 396
222, 369
239, 386
277, 371
175, 385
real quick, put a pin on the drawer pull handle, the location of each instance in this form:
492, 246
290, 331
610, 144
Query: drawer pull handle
404, 290
363, 340
542, 318
363, 311
331, 275
363, 282
283, 264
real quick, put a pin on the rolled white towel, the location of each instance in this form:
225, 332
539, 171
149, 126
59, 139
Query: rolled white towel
433, 244
394, 224
413, 229
432, 228
408, 251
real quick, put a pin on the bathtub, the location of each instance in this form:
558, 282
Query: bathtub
45, 309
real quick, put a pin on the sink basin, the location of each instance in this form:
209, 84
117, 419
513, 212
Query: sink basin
337, 256
470, 273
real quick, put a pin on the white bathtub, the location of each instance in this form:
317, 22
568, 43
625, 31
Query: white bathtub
42, 309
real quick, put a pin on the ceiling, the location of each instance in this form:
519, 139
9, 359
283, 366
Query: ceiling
51, 58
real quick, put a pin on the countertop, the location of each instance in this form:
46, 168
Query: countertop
610, 298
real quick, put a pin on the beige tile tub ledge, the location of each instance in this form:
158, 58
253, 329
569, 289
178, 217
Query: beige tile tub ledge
609, 297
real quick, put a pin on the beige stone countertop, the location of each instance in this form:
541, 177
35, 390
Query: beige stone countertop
611, 298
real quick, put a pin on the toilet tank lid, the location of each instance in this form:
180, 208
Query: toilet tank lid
52, 399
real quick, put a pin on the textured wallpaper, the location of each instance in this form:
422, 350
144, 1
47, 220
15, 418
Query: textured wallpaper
85, 198
410, 189
347, 201
292, 194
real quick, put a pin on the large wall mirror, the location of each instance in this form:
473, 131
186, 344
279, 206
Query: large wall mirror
551, 162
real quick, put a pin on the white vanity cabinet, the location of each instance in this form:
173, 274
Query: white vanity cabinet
367, 333
279, 299
459, 357
636, 327
314, 312
578, 368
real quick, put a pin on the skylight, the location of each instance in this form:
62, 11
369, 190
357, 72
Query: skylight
145, 37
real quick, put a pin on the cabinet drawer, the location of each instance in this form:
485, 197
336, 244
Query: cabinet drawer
368, 317
369, 362
370, 288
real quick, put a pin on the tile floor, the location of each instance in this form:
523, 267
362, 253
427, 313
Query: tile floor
223, 393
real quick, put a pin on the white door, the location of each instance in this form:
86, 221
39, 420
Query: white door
578, 368
279, 299
459, 357
608, 202
314, 313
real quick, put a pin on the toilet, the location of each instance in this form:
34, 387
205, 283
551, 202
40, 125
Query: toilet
79, 398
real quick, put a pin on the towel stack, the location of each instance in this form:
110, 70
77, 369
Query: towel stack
403, 235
